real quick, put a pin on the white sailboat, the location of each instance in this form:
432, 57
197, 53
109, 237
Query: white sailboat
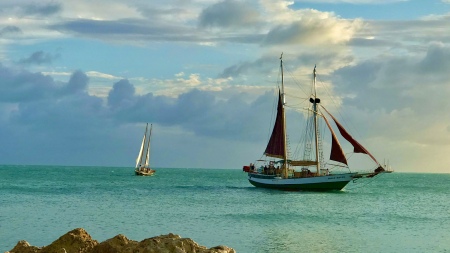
309, 173
143, 161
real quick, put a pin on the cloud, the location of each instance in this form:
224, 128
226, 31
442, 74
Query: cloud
261, 65
197, 111
313, 27
268, 23
436, 61
126, 29
39, 57
355, 1
78, 82
401, 91
122, 93
228, 14
42, 9
299, 62
47, 117
9, 30
21, 85
28, 9
123, 27
403, 36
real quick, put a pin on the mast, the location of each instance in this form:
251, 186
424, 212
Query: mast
141, 152
315, 101
285, 172
147, 158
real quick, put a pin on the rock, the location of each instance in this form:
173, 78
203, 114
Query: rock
24, 247
117, 244
79, 241
75, 241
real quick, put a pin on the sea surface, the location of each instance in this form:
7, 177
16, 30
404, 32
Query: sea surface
398, 212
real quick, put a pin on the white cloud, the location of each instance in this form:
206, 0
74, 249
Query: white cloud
102, 75
313, 28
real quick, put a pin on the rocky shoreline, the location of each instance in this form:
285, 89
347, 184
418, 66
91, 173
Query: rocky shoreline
79, 241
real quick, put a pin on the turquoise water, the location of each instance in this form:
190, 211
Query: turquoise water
398, 212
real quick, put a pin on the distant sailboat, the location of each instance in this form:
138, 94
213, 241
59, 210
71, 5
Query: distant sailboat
280, 172
143, 161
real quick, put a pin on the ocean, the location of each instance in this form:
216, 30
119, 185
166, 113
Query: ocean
397, 212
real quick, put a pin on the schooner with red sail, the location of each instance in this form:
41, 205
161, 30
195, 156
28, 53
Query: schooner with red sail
308, 173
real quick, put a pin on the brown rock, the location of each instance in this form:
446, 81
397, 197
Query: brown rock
117, 244
220, 249
75, 241
24, 247
79, 241
170, 243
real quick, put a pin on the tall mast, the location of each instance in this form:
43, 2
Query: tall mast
315, 101
147, 158
282, 79
141, 152
285, 174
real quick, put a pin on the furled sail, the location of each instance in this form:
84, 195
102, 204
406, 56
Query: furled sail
357, 147
336, 154
276, 146
303, 163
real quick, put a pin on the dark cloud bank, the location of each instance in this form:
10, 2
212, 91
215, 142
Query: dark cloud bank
43, 121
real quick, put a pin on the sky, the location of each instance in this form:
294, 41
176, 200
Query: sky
78, 81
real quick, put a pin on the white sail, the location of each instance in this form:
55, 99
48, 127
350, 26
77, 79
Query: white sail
138, 159
143, 159
141, 151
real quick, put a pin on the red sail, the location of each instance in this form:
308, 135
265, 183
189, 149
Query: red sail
276, 146
336, 154
357, 148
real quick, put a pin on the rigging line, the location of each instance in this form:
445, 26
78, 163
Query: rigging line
297, 107
334, 165
339, 110
339, 167
290, 73
305, 136
297, 147
308, 137
302, 139
299, 97
322, 136
350, 154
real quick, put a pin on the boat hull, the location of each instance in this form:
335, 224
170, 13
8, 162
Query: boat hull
144, 173
321, 183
